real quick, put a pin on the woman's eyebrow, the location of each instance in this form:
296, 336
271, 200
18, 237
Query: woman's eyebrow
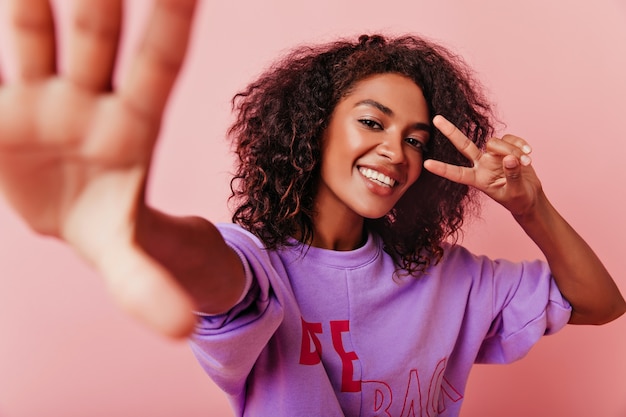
386, 110
374, 103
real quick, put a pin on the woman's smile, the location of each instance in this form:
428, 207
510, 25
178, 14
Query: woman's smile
377, 177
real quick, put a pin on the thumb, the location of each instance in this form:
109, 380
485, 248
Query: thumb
513, 168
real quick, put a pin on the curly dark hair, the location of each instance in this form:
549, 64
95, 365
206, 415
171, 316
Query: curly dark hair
281, 117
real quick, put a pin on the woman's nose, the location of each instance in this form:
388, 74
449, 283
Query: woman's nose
392, 148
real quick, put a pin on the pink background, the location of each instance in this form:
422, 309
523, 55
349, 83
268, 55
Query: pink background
554, 68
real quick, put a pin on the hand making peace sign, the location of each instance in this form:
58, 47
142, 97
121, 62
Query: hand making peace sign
502, 171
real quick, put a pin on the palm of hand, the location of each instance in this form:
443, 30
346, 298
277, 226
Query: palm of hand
75, 153
61, 145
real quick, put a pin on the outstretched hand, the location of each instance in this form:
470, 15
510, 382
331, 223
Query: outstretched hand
503, 170
75, 149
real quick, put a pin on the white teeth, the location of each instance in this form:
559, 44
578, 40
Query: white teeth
377, 176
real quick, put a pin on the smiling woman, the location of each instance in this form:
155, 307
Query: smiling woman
369, 157
341, 287
275, 191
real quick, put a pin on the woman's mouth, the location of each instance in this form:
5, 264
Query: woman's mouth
379, 177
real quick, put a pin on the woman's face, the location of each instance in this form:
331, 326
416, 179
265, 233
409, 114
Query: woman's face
372, 150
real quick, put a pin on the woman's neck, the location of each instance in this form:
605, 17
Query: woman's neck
338, 231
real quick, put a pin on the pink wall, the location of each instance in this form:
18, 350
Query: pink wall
556, 70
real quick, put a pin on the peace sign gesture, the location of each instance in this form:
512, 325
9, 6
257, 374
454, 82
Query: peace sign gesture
75, 149
502, 171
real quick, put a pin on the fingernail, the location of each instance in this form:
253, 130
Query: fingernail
526, 149
510, 163
525, 160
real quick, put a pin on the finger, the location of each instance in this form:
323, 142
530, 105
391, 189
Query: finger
32, 38
144, 289
93, 43
160, 57
519, 142
457, 138
462, 175
509, 146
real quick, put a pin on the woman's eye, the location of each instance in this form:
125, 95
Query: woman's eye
416, 143
370, 123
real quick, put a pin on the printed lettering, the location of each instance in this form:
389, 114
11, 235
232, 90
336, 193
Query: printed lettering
439, 385
310, 356
413, 399
348, 384
377, 395
381, 395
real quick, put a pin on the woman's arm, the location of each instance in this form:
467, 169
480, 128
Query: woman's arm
193, 250
580, 275
504, 172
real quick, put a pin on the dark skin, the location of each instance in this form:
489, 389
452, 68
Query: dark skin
75, 156
504, 172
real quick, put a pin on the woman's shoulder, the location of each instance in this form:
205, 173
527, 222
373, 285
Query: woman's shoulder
456, 255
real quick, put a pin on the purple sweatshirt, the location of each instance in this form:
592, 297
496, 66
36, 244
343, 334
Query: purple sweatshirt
330, 333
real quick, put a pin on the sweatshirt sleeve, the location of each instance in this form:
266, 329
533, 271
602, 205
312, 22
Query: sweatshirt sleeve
527, 304
227, 345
